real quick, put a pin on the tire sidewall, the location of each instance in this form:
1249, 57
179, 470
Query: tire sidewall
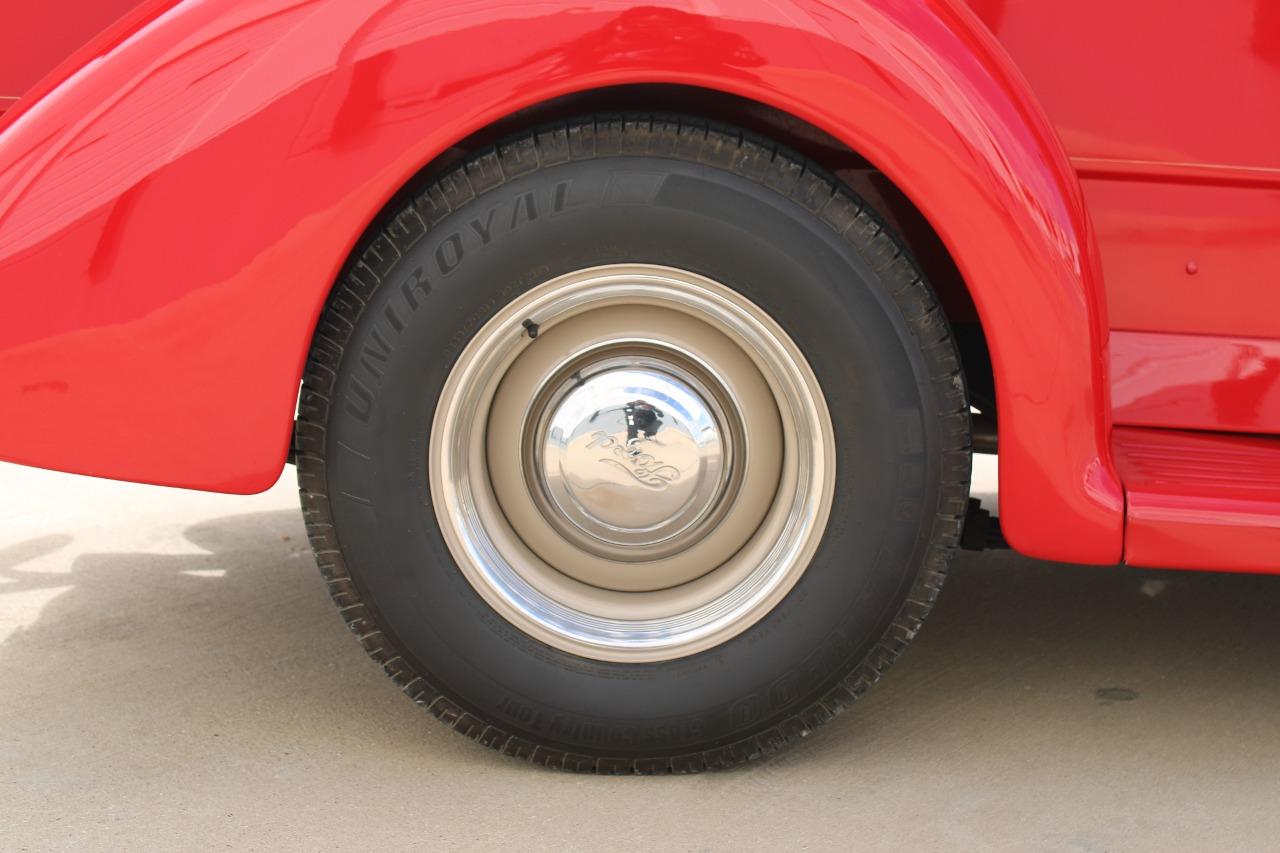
555, 220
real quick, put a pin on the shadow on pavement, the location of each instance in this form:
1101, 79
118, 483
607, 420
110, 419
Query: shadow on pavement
240, 632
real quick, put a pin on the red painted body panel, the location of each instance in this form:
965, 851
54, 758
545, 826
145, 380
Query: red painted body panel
1148, 80
35, 37
1151, 231
226, 155
1195, 382
1200, 501
177, 199
1167, 111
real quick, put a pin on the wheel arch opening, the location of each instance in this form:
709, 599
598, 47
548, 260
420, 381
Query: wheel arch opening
910, 224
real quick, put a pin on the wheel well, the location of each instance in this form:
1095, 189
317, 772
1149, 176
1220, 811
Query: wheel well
817, 145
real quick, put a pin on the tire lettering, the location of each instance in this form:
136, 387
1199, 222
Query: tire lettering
528, 203
417, 281
359, 401
448, 260
559, 725
484, 230
416, 286
380, 354
393, 318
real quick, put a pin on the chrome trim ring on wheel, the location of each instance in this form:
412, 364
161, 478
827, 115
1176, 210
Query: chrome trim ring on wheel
632, 463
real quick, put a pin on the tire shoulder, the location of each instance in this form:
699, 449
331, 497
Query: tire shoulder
677, 137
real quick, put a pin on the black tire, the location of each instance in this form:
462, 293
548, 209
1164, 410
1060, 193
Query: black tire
741, 211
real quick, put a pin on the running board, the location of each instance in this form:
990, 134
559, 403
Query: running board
1200, 500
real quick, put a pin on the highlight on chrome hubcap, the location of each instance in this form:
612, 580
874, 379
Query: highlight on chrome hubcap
632, 463
634, 456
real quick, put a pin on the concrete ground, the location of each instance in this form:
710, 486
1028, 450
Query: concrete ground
173, 676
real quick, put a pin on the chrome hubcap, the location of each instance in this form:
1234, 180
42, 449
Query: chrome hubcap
633, 459
642, 480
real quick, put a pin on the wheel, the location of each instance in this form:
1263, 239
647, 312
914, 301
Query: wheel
633, 444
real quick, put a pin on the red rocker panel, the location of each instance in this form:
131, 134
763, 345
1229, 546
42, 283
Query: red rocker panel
1200, 500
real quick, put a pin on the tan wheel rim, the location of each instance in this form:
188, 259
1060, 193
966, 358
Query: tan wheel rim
632, 463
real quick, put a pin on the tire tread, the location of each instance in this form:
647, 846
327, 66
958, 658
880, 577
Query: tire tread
679, 137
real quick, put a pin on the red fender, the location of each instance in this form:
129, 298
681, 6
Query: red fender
176, 201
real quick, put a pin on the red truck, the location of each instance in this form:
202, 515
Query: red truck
632, 356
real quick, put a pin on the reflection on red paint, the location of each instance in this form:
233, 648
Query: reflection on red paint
186, 201
1196, 382
1251, 378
